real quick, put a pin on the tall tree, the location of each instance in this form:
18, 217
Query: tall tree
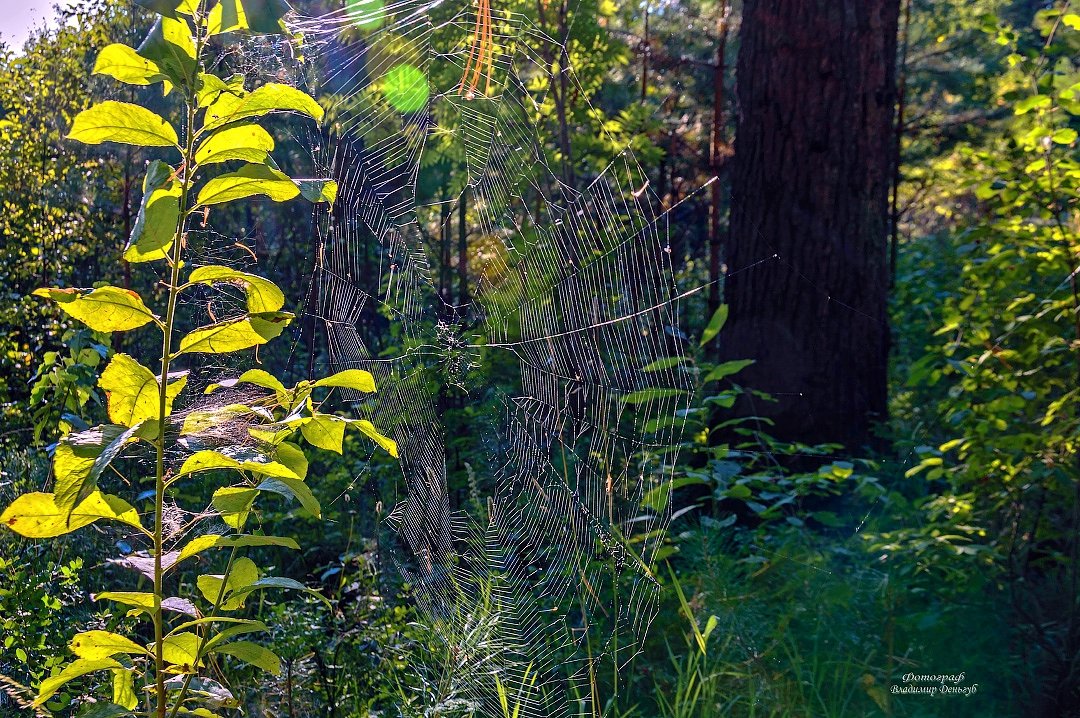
807, 275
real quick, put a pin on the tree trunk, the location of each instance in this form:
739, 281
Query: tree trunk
807, 275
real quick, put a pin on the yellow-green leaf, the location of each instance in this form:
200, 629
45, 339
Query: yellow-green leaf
357, 379
272, 97
105, 309
36, 515
137, 599
73, 670
124, 688
372, 433
318, 190
81, 457
234, 503
158, 218
325, 431
248, 181
123, 63
254, 654
244, 573
182, 651
294, 489
293, 457
134, 392
262, 294
103, 644
170, 44
249, 143
122, 122
235, 334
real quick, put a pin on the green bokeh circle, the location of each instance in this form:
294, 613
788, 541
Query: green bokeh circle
406, 88
366, 14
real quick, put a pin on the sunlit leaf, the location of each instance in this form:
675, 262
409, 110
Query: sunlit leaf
209, 460
249, 143
159, 215
124, 123
325, 431
36, 515
181, 650
248, 181
272, 97
234, 503
123, 63
295, 489
357, 379
235, 334
262, 294
105, 309
254, 654
318, 190
124, 688
81, 457
133, 391
170, 44
73, 670
727, 369
372, 433
103, 644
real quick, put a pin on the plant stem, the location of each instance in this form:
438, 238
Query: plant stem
186, 163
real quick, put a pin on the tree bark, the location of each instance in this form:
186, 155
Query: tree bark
807, 274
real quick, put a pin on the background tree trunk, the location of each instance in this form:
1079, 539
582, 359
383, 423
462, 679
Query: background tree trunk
807, 274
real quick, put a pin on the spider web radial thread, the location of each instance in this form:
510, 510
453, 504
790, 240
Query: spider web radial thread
538, 586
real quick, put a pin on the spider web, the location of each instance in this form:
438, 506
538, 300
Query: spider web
531, 589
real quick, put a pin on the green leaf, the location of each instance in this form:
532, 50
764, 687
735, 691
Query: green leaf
248, 181
652, 394
36, 515
81, 457
727, 369
276, 582
128, 598
235, 334
244, 573
105, 309
103, 644
73, 670
182, 650
201, 420
134, 392
272, 97
250, 143
264, 16
350, 379
266, 380
665, 363
124, 688
254, 654
318, 190
372, 433
104, 710
325, 431
292, 456
122, 122
296, 489
158, 218
197, 545
254, 540
208, 460
170, 45
716, 323
262, 294
123, 63
234, 503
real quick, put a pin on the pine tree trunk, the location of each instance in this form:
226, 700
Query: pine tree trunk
807, 274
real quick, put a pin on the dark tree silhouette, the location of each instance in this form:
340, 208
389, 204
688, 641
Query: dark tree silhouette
807, 273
